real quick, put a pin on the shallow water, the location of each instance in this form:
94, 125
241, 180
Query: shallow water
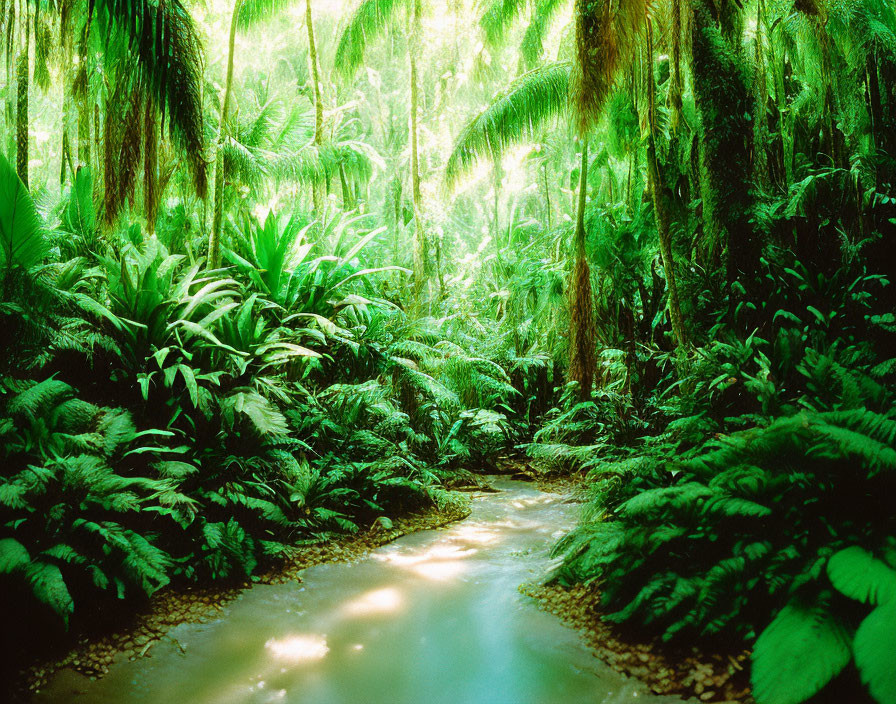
433, 618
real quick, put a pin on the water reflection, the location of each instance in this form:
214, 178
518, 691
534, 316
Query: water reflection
377, 601
441, 562
298, 648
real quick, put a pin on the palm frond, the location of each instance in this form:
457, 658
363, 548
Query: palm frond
22, 239
511, 117
498, 18
254, 11
368, 20
532, 45
159, 39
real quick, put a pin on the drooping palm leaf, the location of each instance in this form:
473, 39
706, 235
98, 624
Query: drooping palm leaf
532, 45
498, 17
606, 34
512, 116
160, 42
368, 20
253, 11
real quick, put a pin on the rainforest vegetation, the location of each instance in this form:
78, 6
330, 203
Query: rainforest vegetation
273, 269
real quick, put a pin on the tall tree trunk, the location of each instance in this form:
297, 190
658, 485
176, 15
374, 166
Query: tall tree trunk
22, 80
496, 184
724, 101
65, 160
421, 244
317, 196
582, 362
675, 82
661, 197
214, 240
80, 90
760, 131
152, 190
547, 193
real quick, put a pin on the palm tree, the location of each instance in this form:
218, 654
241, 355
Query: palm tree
22, 82
246, 13
606, 34
152, 66
318, 103
370, 19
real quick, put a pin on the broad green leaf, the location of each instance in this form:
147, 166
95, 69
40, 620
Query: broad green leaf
49, 587
802, 650
856, 573
22, 241
13, 555
874, 648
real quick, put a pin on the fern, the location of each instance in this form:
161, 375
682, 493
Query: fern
249, 405
13, 555
48, 587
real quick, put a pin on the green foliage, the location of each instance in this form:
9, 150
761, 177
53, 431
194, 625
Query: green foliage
163, 422
513, 115
369, 19
22, 239
816, 649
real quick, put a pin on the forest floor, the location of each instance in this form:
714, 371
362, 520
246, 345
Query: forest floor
92, 653
687, 672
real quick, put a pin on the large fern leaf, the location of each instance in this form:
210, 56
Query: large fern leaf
22, 240
874, 649
802, 650
49, 587
859, 575
13, 555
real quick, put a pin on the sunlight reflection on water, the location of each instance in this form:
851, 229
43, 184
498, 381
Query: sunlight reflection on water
376, 601
299, 648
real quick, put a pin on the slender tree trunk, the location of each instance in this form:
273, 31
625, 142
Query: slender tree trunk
421, 244
316, 194
760, 132
214, 241
496, 184
661, 197
581, 200
675, 82
9, 114
582, 362
348, 199
68, 99
152, 189
80, 91
22, 80
547, 193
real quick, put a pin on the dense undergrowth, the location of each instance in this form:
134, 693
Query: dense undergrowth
163, 422
745, 498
